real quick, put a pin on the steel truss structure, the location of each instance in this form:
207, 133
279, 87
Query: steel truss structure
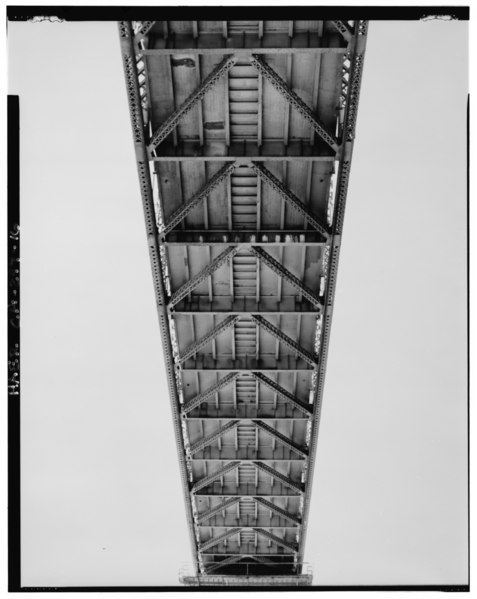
244, 132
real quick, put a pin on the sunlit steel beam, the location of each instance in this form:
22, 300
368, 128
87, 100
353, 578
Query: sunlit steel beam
197, 345
173, 120
290, 197
281, 438
198, 197
203, 482
293, 345
208, 393
287, 275
295, 100
207, 271
212, 437
291, 399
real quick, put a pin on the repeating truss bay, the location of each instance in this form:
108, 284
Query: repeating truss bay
244, 132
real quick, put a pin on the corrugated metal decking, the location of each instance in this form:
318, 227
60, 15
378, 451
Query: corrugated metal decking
243, 133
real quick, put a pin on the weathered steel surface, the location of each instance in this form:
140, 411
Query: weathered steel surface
245, 329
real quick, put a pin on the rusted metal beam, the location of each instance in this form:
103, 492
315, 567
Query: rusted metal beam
207, 271
198, 197
281, 438
217, 330
219, 539
291, 198
312, 359
296, 102
173, 120
208, 393
212, 437
288, 276
203, 482
291, 399
278, 510
277, 540
280, 477
219, 508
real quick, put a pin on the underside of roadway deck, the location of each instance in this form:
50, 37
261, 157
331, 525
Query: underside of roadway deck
243, 133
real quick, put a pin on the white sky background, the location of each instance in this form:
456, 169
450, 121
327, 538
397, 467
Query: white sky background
101, 496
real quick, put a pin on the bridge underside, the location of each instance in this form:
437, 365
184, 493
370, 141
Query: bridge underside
243, 133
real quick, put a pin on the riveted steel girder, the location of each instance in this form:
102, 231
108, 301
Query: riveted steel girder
208, 393
198, 197
219, 539
214, 436
290, 197
291, 399
216, 510
171, 123
273, 330
278, 510
343, 29
207, 271
197, 345
203, 482
280, 477
287, 275
281, 438
294, 100
143, 30
291, 546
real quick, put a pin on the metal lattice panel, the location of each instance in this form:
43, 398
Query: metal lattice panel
243, 133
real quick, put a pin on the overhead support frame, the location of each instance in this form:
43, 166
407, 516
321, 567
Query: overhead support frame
173, 120
294, 100
291, 198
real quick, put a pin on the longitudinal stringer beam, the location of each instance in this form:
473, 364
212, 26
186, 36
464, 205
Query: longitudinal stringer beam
171, 123
295, 100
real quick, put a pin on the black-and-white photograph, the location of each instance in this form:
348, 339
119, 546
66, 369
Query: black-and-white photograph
240, 356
